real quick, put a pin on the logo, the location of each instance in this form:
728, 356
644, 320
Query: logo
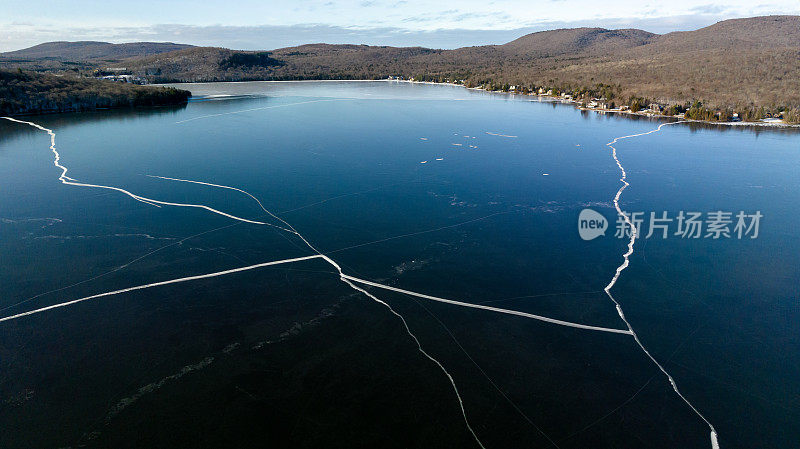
591, 224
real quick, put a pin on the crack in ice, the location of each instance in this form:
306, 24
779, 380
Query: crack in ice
158, 284
489, 308
387, 287
624, 265
153, 202
235, 270
350, 280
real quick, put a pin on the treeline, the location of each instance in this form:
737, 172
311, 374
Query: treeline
33, 93
615, 97
308, 62
752, 89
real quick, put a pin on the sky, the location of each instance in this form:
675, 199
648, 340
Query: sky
269, 24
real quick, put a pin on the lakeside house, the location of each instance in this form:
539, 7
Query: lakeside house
123, 79
120, 78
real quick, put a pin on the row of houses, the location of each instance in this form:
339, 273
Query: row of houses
124, 79
118, 74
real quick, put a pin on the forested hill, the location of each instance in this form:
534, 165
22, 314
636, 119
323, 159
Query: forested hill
91, 50
744, 62
33, 93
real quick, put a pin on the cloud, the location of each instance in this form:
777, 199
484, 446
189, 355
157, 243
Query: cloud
455, 16
436, 17
709, 9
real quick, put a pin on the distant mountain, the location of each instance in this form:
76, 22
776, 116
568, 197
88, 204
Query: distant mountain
89, 50
754, 32
579, 41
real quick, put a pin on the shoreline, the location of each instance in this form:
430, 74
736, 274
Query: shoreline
541, 97
555, 99
95, 110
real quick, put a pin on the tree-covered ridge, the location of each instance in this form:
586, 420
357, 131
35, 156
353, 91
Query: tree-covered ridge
90, 50
33, 93
745, 69
742, 65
